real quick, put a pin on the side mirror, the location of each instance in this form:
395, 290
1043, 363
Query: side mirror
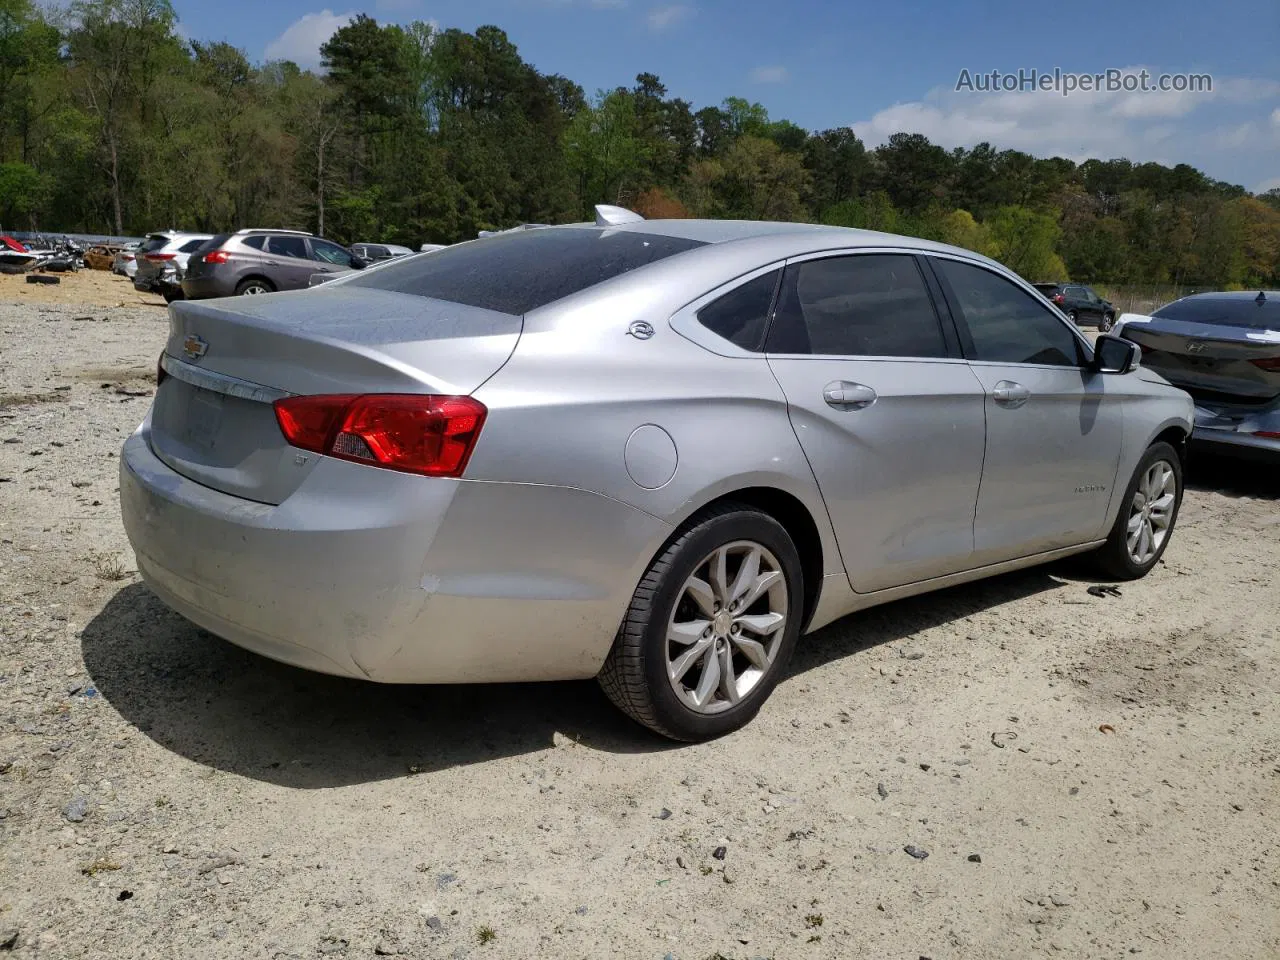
1115, 354
358, 263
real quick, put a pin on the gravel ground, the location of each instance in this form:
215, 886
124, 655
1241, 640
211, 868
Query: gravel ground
1088, 776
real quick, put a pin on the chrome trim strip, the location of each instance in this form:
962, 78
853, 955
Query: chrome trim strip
220, 382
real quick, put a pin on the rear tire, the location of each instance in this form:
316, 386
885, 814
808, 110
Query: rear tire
1074, 317
724, 630
1143, 527
253, 287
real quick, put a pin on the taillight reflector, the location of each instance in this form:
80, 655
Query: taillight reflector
1269, 434
159, 257
1059, 298
217, 256
1270, 364
428, 435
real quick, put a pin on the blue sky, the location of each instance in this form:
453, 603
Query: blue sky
878, 67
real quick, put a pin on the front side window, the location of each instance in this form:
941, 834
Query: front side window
742, 314
287, 247
1006, 323
330, 253
867, 305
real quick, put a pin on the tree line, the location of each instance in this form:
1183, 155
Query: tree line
111, 122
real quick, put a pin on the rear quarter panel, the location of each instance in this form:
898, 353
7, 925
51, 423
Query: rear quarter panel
578, 387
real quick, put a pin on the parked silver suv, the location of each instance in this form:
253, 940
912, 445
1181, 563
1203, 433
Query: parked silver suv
162, 260
262, 261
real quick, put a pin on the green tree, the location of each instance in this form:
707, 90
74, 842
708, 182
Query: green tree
1025, 241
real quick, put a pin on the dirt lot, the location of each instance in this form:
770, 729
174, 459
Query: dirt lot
1113, 762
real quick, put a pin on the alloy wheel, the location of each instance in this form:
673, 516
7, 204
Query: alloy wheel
1151, 512
727, 627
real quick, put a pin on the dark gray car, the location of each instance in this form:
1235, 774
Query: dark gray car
262, 261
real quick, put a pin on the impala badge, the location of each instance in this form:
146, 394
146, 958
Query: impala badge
194, 347
641, 330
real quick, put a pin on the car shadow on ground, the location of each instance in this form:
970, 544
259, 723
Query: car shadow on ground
1234, 476
231, 710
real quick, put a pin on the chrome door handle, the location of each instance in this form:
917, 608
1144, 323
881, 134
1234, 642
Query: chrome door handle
844, 395
1010, 394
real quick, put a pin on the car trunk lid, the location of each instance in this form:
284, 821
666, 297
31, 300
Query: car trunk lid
228, 360
1213, 362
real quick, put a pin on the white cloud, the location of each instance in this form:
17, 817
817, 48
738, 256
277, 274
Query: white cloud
769, 75
662, 17
1265, 185
302, 39
1161, 127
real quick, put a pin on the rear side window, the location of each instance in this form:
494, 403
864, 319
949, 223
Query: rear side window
742, 314
1006, 323
153, 243
191, 246
257, 241
1225, 312
517, 272
287, 247
869, 305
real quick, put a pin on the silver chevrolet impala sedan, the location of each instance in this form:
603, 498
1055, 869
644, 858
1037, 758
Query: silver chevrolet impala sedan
651, 452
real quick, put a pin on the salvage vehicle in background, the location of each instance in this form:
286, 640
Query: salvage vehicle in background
1080, 303
651, 452
100, 256
162, 262
256, 261
125, 263
1224, 350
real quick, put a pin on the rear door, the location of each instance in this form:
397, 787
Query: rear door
1054, 428
888, 413
289, 263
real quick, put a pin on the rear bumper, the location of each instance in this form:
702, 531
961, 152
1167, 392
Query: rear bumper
208, 288
1228, 443
1234, 432
374, 574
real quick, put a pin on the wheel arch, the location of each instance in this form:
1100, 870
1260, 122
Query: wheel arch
796, 518
260, 278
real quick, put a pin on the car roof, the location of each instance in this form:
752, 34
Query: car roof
797, 238
1234, 295
290, 233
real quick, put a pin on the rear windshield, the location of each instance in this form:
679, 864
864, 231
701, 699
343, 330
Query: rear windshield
1225, 312
518, 272
153, 243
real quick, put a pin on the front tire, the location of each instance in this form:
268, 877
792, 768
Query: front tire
1073, 316
1147, 516
711, 627
1107, 322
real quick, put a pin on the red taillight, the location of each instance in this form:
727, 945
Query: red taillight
429, 435
1270, 364
216, 256
1269, 434
159, 257
128, 259
1059, 299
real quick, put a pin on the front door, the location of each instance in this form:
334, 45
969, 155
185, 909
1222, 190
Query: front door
889, 416
1054, 428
